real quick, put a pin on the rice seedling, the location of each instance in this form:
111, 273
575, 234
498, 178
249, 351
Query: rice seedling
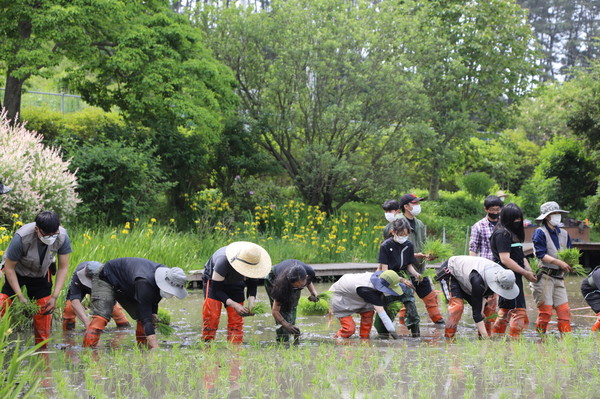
326, 296
534, 263
571, 256
309, 308
437, 249
22, 313
163, 324
260, 308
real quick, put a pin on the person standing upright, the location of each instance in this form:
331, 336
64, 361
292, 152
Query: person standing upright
410, 207
28, 260
481, 232
507, 247
549, 290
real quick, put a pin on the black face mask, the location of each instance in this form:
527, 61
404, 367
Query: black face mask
493, 216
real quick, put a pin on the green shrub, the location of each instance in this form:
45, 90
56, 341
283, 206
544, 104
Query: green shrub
118, 182
477, 184
593, 209
535, 192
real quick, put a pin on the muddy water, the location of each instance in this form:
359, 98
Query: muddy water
186, 318
323, 367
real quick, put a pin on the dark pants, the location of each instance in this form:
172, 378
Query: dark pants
423, 288
411, 319
37, 287
290, 315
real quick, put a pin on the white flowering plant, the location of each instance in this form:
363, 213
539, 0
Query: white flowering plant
38, 176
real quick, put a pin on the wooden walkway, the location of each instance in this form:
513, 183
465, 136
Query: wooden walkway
339, 269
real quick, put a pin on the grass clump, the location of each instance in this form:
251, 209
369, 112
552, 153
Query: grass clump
571, 257
164, 322
437, 249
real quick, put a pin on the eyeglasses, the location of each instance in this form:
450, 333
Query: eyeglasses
48, 236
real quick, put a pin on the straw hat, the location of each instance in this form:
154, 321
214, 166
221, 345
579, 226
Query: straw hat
547, 208
248, 259
502, 281
89, 269
387, 282
171, 280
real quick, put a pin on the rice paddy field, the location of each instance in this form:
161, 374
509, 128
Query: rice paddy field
320, 366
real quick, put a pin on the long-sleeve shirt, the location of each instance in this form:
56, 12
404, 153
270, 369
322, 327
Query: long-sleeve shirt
134, 278
480, 238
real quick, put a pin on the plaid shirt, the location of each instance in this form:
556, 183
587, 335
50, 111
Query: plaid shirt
480, 238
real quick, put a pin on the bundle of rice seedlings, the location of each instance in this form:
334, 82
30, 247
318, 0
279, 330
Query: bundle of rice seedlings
394, 307
164, 322
309, 308
437, 249
260, 308
22, 313
535, 264
326, 296
571, 257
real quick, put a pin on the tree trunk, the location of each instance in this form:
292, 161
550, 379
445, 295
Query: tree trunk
434, 183
12, 96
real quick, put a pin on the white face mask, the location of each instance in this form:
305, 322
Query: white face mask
400, 240
166, 295
555, 220
390, 217
48, 240
415, 210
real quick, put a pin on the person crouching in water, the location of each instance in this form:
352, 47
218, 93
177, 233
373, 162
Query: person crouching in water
590, 289
77, 291
284, 285
226, 274
397, 253
365, 294
138, 284
475, 279
507, 248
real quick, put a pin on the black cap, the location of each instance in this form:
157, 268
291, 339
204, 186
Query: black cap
408, 198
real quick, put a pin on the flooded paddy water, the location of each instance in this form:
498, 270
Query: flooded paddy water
323, 367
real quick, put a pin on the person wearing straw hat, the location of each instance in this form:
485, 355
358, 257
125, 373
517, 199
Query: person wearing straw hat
549, 291
475, 279
77, 291
365, 294
227, 273
138, 284
590, 289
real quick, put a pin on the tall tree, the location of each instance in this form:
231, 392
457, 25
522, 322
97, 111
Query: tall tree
325, 89
474, 59
567, 32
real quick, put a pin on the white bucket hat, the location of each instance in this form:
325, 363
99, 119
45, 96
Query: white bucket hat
85, 274
502, 281
171, 280
547, 208
249, 259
